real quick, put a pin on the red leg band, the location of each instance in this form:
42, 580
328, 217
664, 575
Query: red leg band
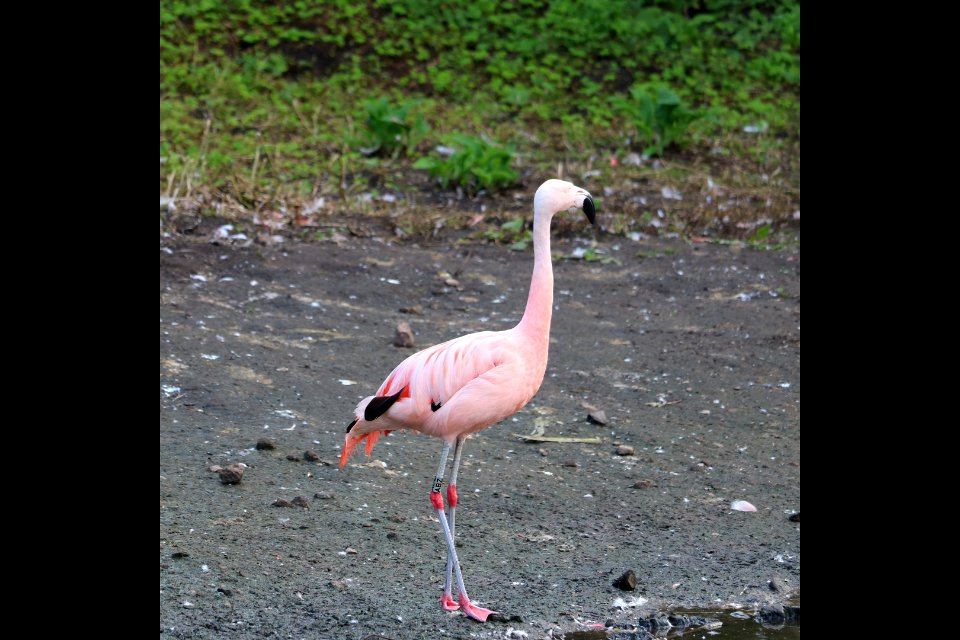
452, 495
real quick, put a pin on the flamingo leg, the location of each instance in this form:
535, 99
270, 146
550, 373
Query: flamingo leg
447, 599
436, 499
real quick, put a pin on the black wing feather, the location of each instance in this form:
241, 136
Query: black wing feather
379, 405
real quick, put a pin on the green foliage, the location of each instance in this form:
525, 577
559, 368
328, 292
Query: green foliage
760, 236
475, 164
264, 100
539, 58
513, 231
391, 130
659, 116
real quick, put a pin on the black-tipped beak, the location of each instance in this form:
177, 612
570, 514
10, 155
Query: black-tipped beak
590, 210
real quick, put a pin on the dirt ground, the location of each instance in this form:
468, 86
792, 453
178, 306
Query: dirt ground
692, 352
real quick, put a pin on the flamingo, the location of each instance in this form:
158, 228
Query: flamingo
457, 388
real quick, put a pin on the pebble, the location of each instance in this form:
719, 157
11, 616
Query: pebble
626, 582
597, 417
232, 473
776, 584
404, 335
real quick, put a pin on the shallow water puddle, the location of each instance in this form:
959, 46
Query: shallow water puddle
733, 627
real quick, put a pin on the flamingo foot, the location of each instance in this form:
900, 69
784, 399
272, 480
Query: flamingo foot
448, 603
477, 613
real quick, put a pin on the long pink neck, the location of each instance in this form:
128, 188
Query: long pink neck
536, 318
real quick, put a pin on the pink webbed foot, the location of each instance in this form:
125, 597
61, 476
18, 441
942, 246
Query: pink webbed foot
477, 613
448, 603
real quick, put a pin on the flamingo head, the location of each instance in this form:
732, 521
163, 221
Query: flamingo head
555, 196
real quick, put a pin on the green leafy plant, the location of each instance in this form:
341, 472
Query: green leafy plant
474, 165
391, 130
512, 231
659, 116
760, 235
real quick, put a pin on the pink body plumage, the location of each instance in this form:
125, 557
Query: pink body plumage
456, 388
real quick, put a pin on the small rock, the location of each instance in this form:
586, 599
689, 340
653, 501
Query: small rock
597, 417
624, 450
571, 463
176, 555
452, 282
232, 473
697, 621
776, 584
626, 582
300, 501
543, 452
310, 455
502, 617
404, 335
187, 604
795, 517
292, 457
226, 592
338, 584
265, 444
392, 535
659, 621
680, 622
772, 613
742, 505
351, 551
324, 495
282, 502
644, 484
654, 622
414, 310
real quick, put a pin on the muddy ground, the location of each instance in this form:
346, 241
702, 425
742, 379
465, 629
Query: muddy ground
692, 351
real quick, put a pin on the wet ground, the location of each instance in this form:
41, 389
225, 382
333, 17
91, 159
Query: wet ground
691, 351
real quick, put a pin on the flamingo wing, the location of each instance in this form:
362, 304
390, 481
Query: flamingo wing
414, 393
